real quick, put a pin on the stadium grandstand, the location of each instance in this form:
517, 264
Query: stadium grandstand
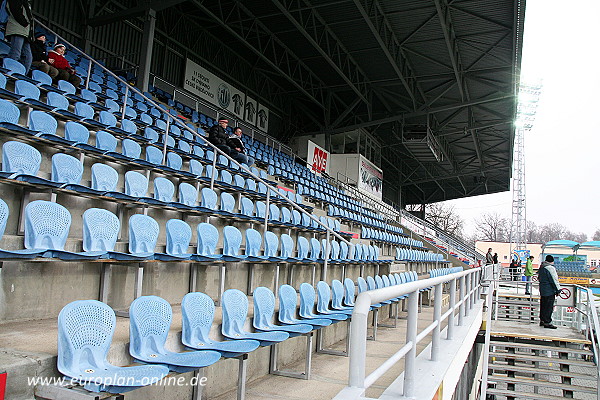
149, 252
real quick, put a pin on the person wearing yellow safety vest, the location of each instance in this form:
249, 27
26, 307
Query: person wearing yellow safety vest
528, 274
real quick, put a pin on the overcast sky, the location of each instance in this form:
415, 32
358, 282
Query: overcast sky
561, 48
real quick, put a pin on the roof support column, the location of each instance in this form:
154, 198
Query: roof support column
146, 52
87, 44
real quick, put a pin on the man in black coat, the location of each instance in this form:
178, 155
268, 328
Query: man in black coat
40, 56
549, 289
218, 136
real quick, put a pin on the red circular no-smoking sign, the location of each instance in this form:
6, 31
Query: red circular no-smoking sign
564, 294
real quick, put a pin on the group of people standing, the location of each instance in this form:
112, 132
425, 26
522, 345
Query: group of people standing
549, 285
30, 49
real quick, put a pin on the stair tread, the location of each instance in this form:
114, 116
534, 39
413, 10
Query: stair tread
523, 395
541, 347
541, 382
531, 357
534, 370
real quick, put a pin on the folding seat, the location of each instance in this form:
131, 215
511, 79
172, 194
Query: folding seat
261, 210
60, 105
30, 94
151, 135
349, 290
111, 106
78, 135
272, 247
339, 292
15, 69
136, 186
285, 217
288, 301
130, 129
264, 310
274, 213
69, 91
43, 81
27, 253
235, 311
324, 292
227, 205
45, 127
19, 159
86, 115
164, 190
4, 92
307, 305
85, 331
232, 241
208, 200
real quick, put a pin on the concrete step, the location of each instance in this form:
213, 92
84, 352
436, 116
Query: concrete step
537, 370
541, 347
521, 357
540, 383
522, 395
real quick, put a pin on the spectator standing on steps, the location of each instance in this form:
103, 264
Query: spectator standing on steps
495, 258
489, 257
549, 288
19, 31
528, 274
40, 56
57, 59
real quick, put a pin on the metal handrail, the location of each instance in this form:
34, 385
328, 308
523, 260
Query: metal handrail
170, 118
469, 289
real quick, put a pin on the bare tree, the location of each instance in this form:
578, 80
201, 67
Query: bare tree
596, 235
444, 217
554, 231
577, 237
533, 232
492, 227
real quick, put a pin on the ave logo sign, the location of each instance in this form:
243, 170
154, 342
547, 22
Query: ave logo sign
320, 157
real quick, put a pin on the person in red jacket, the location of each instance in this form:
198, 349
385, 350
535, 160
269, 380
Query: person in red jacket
57, 59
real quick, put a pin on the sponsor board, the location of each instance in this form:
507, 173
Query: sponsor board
573, 280
317, 158
370, 178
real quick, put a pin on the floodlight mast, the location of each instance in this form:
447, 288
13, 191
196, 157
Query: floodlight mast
529, 95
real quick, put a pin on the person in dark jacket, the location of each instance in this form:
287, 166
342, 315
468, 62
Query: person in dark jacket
237, 149
19, 31
40, 56
549, 288
218, 136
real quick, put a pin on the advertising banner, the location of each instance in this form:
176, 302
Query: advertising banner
262, 118
213, 89
317, 159
370, 178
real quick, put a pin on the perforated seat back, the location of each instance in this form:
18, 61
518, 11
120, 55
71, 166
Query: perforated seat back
324, 293
226, 177
163, 189
227, 202
46, 225
271, 244
235, 311
197, 314
131, 149
188, 194
4, 212
362, 285
307, 299
108, 119
274, 212
209, 198
66, 169
337, 289
42, 122
20, 158
253, 242
232, 240
196, 167
386, 281
315, 249
343, 251
149, 322
349, 291
264, 307
57, 100
208, 237
335, 250
9, 112
136, 184
128, 126
179, 235
85, 331
261, 209
247, 207
287, 246
104, 178
143, 234
296, 217
100, 230
287, 303
27, 89
153, 155
251, 184
174, 161
66, 87
303, 247
76, 132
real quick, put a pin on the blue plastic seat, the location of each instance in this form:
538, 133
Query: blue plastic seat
19, 159
150, 321
208, 237
85, 332
60, 104
188, 196
349, 290
164, 190
136, 186
15, 69
69, 90
45, 126
14, 254
232, 241
303, 248
324, 292
197, 314
143, 234
47, 227
235, 311
339, 293
253, 244
264, 310
307, 305
179, 235
288, 301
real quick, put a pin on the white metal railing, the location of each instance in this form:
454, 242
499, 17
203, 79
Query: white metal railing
468, 284
584, 318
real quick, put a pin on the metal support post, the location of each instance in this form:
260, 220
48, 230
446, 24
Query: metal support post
193, 277
221, 284
242, 370
292, 374
461, 308
139, 280
105, 275
437, 315
146, 50
249, 289
451, 306
411, 337
276, 280
197, 393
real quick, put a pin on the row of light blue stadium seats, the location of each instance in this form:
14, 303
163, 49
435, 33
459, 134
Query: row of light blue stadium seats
47, 226
381, 236
344, 214
403, 254
82, 352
